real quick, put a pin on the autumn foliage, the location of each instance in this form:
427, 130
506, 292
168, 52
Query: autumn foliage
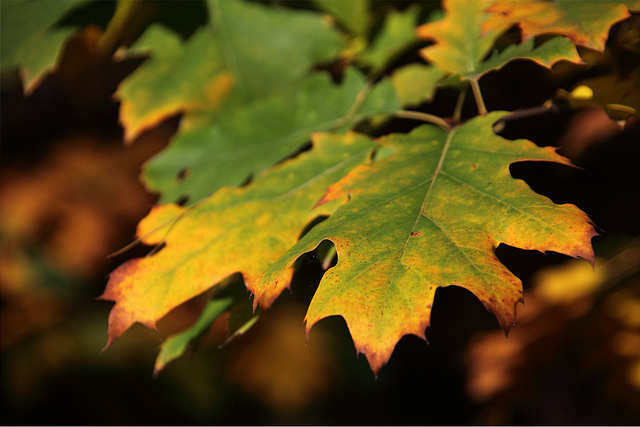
282, 145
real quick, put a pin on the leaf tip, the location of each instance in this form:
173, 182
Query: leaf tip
506, 327
110, 341
158, 367
587, 253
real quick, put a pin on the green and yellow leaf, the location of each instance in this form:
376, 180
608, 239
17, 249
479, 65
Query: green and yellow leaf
416, 83
178, 78
221, 60
547, 54
431, 215
236, 230
230, 296
241, 143
461, 45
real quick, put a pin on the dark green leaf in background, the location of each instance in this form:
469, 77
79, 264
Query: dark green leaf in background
241, 143
29, 39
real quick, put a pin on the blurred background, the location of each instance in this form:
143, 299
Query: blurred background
70, 196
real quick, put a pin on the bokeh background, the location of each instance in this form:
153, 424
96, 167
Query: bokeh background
70, 196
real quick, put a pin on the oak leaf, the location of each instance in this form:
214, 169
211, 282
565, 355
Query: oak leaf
239, 143
586, 23
429, 216
462, 46
235, 230
195, 67
220, 61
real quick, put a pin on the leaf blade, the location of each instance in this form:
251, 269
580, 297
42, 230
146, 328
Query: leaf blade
208, 242
463, 52
229, 151
175, 346
421, 230
585, 23
29, 39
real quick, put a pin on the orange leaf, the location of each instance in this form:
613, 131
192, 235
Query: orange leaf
586, 23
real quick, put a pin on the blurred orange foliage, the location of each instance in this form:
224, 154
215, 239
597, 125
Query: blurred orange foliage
588, 319
277, 367
60, 218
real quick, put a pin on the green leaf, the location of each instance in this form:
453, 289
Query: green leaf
352, 14
29, 39
237, 230
241, 319
460, 43
176, 345
395, 37
243, 142
179, 77
430, 216
416, 83
547, 54
232, 298
222, 61
277, 42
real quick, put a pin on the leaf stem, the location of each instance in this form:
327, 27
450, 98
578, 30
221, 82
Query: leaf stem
360, 98
424, 117
457, 112
482, 110
125, 12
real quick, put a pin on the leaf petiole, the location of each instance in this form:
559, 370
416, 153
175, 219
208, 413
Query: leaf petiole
475, 87
424, 117
125, 11
457, 112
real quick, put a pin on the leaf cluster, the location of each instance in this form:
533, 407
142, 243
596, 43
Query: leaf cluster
281, 107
